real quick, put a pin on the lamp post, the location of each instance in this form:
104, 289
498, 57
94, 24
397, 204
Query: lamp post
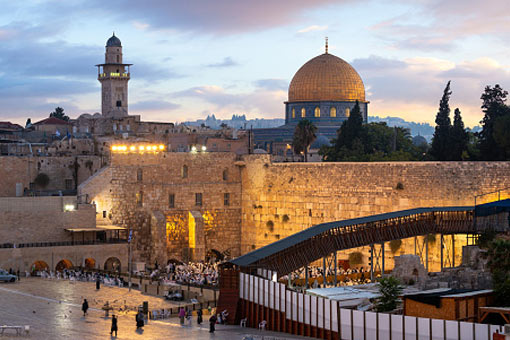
129, 259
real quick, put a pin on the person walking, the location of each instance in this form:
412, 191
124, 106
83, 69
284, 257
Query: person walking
85, 306
182, 314
139, 320
199, 316
212, 323
114, 325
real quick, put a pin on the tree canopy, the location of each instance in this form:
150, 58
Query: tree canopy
304, 135
59, 113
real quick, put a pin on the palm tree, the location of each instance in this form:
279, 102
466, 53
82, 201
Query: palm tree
304, 135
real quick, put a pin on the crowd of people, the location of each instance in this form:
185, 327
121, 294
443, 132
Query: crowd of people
345, 277
198, 274
84, 276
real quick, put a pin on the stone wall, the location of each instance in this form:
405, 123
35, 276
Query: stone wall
42, 219
280, 199
136, 189
24, 169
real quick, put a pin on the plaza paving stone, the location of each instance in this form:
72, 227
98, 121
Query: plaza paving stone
53, 311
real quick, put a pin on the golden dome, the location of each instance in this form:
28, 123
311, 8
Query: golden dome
326, 78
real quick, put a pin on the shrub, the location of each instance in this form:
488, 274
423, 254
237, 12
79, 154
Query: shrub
399, 186
42, 180
395, 245
270, 225
355, 258
285, 218
390, 289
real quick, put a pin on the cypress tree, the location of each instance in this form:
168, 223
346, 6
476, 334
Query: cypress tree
494, 107
351, 128
441, 140
459, 138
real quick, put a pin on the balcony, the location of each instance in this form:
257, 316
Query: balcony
113, 75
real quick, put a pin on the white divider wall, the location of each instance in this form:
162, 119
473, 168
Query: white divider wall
355, 325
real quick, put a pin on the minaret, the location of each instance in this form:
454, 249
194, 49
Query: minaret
114, 76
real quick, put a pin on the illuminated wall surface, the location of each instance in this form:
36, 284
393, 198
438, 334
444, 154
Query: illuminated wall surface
270, 201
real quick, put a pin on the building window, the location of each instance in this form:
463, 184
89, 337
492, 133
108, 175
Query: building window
184, 172
198, 199
104, 213
118, 59
347, 112
225, 175
317, 112
139, 175
226, 199
171, 200
332, 112
119, 103
69, 184
303, 112
128, 127
139, 199
293, 113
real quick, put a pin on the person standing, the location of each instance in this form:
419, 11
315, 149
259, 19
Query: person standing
98, 283
84, 307
212, 323
182, 314
114, 325
199, 316
139, 320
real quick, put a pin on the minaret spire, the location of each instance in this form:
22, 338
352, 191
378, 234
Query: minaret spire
326, 45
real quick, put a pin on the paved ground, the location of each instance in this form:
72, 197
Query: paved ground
53, 311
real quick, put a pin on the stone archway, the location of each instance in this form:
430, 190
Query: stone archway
112, 264
39, 265
63, 264
89, 263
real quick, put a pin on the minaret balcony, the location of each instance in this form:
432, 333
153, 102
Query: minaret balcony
113, 75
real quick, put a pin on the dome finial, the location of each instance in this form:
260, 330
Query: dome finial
326, 45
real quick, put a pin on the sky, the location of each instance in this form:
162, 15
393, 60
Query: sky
198, 57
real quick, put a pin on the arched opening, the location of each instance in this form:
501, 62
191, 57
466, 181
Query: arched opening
119, 103
38, 266
184, 172
63, 264
215, 255
347, 112
317, 112
90, 263
174, 261
332, 112
293, 113
303, 113
139, 175
225, 175
112, 264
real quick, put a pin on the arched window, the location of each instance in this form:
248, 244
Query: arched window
303, 112
293, 113
139, 199
225, 175
332, 111
184, 171
317, 112
347, 112
139, 175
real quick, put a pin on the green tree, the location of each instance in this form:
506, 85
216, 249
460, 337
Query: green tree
493, 105
304, 135
390, 290
502, 135
59, 113
441, 140
459, 138
499, 265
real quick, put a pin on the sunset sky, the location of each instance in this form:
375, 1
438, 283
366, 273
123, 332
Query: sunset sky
196, 57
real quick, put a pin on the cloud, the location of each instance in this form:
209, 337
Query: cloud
313, 28
154, 105
261, 102
412, 87
219, 16
444, 24
272, 84
227, 62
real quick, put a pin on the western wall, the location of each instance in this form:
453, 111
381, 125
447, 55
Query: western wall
269, 201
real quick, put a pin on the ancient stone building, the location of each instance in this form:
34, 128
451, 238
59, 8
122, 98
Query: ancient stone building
242, 203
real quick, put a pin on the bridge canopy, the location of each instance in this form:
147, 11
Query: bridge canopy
297, 250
